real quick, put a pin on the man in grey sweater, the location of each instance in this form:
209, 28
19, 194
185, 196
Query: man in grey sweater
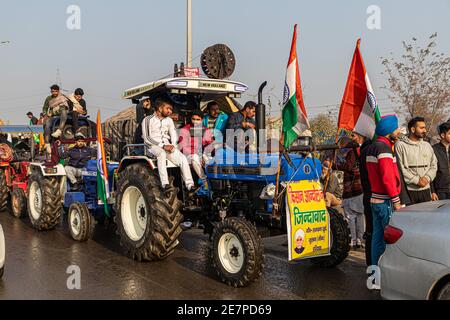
417, 161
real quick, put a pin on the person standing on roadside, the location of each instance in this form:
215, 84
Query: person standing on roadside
417, 161
384, 179
353, 191
442, 151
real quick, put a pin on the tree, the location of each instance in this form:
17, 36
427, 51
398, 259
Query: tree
420, 82
323, 128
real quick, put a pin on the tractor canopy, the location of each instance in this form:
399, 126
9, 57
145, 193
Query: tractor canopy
191, 93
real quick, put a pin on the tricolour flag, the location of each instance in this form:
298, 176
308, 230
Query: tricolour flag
102, 170
295, 119
359, 109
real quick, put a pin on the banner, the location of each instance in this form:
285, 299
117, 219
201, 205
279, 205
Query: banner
308, 221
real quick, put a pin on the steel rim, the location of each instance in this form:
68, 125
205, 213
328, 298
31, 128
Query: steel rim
35, 200
75, 221
134, 213
231, 253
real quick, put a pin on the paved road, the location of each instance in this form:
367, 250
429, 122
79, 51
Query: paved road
37, 262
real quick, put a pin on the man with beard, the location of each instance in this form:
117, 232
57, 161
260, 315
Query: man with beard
160, 136
417, 162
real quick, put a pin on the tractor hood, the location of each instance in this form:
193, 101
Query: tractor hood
229, 165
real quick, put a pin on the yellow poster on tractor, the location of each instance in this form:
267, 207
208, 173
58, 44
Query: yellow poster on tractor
308, 222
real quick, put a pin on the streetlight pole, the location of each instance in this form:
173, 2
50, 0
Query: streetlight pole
189, 34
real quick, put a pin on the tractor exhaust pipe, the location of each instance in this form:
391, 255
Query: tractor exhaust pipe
260, 117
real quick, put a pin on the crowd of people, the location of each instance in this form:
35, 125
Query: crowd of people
367, 182
385, 175
158, 124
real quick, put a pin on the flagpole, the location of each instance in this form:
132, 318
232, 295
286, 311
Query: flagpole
275, 210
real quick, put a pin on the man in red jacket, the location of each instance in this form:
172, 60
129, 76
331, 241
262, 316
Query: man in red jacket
384, 178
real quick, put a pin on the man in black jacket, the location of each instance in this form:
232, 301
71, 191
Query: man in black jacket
78, 158
441, 183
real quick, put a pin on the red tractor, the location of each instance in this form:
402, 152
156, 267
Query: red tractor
28, 185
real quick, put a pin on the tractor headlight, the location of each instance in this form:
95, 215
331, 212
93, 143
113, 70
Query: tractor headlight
268, 193
50, 170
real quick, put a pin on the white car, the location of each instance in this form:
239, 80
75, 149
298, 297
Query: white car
2, 251
416, 263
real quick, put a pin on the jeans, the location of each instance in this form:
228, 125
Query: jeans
443, 195
381, 213
369, 230
354, 212
48, 124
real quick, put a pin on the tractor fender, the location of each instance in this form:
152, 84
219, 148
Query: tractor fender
55, 171
127, 161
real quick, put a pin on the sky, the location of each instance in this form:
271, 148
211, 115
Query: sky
122, 44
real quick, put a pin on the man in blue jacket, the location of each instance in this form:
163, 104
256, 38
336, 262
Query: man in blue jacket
215, 120
78, 156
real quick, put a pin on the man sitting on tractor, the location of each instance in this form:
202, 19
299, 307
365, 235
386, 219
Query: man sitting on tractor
79, 155
215, 120
160, 136
77, 106
54, 105
242, 121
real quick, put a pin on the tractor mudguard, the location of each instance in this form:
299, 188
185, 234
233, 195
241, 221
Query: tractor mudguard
55, 171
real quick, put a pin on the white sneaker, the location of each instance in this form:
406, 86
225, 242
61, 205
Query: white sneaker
57, 134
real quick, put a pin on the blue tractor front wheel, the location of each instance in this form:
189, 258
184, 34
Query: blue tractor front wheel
81, 223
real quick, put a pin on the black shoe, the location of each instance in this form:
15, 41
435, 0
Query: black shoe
192, 191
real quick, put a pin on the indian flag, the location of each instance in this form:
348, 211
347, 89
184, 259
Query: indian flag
295, 119
359, 109
102, 170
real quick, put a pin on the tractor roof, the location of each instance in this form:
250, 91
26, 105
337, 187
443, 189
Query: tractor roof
184, 85
21, 129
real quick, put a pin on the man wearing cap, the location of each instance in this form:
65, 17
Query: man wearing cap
78, 156
384, 179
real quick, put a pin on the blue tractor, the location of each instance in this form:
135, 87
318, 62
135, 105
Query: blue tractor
237, 205
83, 207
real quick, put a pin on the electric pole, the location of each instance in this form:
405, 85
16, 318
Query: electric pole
189, 34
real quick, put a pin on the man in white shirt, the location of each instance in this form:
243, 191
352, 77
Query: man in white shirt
160, 136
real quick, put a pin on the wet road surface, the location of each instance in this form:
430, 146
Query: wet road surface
36, 265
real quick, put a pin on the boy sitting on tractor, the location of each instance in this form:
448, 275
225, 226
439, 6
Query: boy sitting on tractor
79, 156
194, 138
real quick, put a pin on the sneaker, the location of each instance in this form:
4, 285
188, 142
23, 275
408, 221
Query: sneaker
186, 225
57, 134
